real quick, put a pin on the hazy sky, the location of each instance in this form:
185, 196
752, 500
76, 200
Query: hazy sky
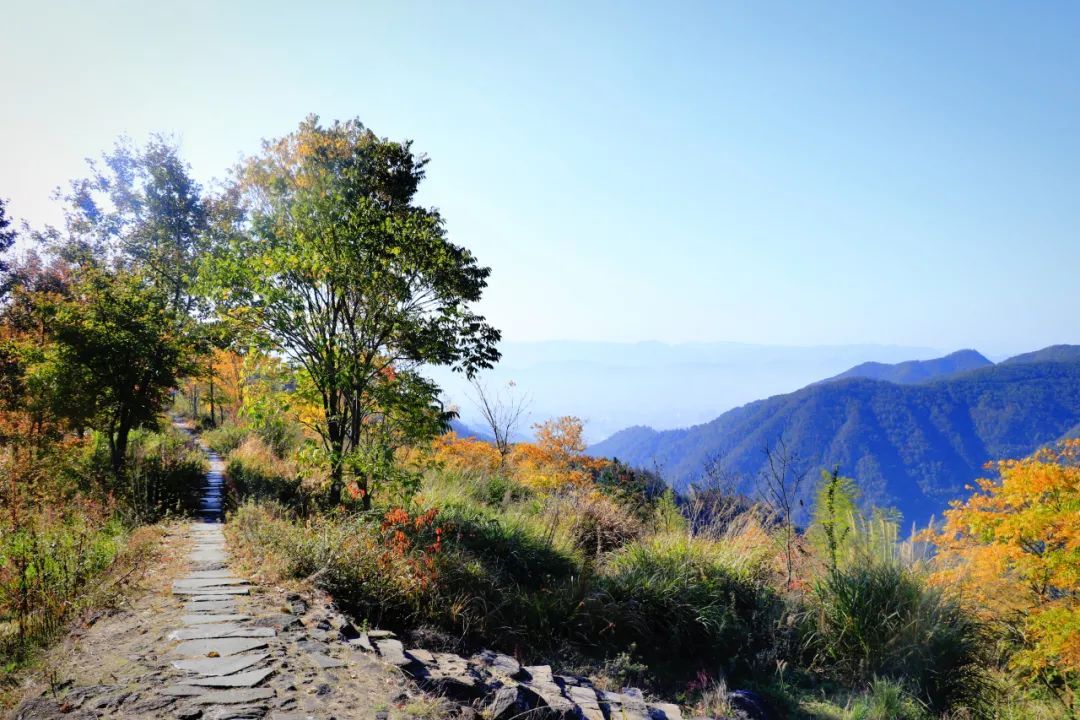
790, 173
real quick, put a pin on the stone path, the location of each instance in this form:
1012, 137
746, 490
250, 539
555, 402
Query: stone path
202, 642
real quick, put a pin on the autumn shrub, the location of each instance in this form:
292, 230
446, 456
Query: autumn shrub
255, 471
600, 525
883, 621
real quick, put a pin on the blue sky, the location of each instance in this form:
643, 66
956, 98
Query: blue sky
784, 173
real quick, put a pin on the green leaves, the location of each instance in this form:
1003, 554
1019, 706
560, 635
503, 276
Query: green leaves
341, 271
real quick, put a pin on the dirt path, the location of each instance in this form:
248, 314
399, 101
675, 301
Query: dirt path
204, 643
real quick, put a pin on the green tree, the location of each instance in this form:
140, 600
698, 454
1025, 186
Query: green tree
342, 271
140, 209
121, 349
835, 522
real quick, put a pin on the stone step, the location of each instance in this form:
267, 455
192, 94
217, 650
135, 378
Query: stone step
239, 680
219, 665
222, 646
211, 618
221, 630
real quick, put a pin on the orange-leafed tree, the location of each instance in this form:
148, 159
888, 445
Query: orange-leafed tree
1013, 549
557, 458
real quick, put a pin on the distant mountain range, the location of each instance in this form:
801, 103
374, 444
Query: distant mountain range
612, 385
912, 434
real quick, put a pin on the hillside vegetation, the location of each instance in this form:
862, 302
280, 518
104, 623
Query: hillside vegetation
913, 447
290, 315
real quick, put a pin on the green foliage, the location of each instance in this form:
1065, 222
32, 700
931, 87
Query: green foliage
887, 700
883, 620
120, 348
672, 591
225, 438
343, 272
834, 525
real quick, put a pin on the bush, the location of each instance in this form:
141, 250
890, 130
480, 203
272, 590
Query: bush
46, 561
225, 438
883, 621
887, 700
703, 599
164, 476
254, 471
599, 525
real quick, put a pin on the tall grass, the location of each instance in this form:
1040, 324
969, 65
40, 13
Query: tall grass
883, 621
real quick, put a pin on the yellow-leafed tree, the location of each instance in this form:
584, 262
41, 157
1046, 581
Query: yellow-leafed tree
1013, 549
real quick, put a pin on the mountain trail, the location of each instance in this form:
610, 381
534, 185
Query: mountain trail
203, 642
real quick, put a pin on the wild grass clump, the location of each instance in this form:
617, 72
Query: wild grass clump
883, 621
887, 700
255, 471
684, 602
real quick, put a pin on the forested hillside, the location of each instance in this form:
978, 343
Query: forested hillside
913, 447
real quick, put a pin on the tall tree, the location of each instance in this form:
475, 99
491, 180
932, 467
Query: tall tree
125, 348
141, 210
342, 271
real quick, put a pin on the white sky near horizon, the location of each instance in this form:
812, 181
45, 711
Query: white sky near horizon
820, 173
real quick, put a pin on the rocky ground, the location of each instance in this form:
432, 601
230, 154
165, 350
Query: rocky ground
202, 642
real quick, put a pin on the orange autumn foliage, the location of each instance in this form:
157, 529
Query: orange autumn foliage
1013, 549
465, 454
557, 458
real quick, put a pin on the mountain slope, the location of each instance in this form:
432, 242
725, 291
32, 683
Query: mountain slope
1054, 353
913, 447
916, 371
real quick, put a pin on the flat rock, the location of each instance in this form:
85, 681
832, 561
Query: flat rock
221, 630
325, 661
189, 582
380, 634
233, 697
219, 665
211, 606
393, 652
363, 643
664, 711
182, 691
503, 704
552, 696
247, 679
211, 591
587, 702
222, 646
498, 664
540, 673
633, 704
206, 619
197, 574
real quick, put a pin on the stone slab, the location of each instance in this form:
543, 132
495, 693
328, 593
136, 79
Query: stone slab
208, 618
190, 582
233, 697
247, 679
219, 665
221, 630
222, 646
325, 661
212, 606
226, 590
